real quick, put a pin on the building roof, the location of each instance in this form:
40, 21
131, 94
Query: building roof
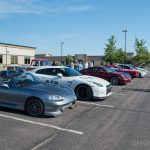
16, 45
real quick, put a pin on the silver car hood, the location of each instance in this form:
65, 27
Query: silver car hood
54, 90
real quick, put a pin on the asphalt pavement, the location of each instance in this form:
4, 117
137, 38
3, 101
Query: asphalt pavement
121, 122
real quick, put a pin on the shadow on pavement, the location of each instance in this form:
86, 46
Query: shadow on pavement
20, 112
134, 89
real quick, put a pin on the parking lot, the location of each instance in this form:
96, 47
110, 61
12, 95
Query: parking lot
122, 121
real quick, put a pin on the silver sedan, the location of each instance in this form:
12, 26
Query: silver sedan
26, 92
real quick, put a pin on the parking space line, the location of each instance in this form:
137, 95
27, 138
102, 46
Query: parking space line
117, 94
42, 124
96, 104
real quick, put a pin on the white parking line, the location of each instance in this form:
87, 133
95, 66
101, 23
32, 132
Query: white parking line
120, 93
42, 124
95, 104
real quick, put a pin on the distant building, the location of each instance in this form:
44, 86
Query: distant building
96, 60
130, 55
16, 54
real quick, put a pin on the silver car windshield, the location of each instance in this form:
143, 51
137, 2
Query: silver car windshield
25, 79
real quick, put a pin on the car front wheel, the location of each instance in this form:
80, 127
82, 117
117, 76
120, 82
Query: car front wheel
83, 92
34, 107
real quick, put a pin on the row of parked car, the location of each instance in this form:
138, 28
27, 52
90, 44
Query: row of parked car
48, 90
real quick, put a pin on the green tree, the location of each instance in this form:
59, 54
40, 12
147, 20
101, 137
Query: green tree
120, 56
142, 54
68, 59
110, 50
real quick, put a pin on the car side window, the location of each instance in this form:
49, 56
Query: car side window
41, 71
126, 67
62, 72
99, 70
122, 67
94, 69
51, 71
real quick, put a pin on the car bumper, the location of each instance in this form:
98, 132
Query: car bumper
56, 108
102, 92
125, 81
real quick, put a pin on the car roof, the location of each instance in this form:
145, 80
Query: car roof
46, 67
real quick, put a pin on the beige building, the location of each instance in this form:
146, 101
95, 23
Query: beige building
96, 60
16, 54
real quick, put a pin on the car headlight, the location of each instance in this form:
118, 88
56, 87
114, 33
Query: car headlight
98, 84
56, 98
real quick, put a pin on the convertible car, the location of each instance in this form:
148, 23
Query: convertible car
26, 92
85, 87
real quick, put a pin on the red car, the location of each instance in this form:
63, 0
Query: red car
133, 73
114, 78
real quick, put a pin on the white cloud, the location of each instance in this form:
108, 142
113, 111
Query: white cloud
38, 7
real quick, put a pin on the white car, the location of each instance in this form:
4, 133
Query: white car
85, 87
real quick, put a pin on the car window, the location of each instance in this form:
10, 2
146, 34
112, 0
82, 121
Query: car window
126, 67
94, 69
121, 66
51, 71
41, 71
100, 70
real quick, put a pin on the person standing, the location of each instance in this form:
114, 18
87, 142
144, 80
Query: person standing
72, 65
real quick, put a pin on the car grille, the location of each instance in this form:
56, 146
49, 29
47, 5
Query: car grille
109, 87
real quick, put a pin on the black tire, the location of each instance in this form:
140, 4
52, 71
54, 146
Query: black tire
83, 92
34, 107
132, 76
114, 81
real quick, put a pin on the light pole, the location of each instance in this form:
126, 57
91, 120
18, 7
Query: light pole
125, 31
6, 56
61, 50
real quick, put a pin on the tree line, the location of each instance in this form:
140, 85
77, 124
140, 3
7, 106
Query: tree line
113, 54
118, 55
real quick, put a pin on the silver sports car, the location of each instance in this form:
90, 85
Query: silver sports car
26, 92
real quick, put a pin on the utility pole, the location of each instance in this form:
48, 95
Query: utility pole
61, 50
6, 56
125, 31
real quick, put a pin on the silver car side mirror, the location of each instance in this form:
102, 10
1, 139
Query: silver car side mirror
59, 75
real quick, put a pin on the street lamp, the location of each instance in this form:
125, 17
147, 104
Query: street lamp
125, 31
6, 55
61, 50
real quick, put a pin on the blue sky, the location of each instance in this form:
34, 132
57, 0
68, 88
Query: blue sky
83, 25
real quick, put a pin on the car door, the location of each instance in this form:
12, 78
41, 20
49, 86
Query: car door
44, 74
48, 76
102, 73
98, 72
91, 71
